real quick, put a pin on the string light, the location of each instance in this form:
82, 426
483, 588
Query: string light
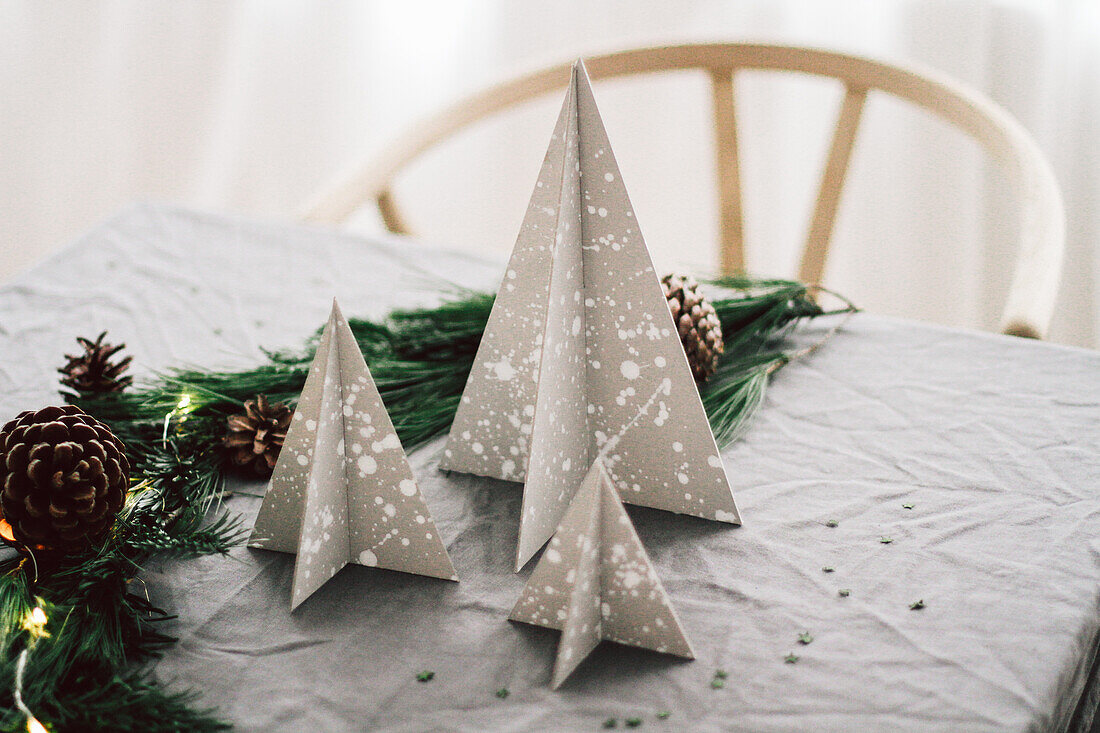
181, 409
33, 724
35, 623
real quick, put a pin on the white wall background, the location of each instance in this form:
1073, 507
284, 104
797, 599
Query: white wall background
251, 106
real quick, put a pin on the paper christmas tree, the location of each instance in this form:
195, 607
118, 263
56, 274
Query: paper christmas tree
595, 582
580, 354
342, 491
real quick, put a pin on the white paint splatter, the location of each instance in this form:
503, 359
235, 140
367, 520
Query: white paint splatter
503, 369
367, 464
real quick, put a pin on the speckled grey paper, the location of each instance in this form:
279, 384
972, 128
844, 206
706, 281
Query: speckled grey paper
596, 582
580, 354
342, 491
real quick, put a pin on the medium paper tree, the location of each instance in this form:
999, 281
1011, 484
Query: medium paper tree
595, 582
342, 491
580, 354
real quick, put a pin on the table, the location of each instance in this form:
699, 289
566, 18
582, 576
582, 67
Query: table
995, 442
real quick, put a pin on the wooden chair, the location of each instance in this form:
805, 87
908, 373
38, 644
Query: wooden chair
1031, 298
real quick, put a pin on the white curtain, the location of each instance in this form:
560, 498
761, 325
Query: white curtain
252, 106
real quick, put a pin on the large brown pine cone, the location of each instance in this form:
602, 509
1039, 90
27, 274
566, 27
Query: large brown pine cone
64, 477
697, 322
255, 438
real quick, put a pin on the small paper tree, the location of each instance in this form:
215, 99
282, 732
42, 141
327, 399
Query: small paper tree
580, 354
596, 582
342, 491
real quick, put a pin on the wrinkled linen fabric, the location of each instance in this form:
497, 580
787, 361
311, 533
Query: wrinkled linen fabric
994, 441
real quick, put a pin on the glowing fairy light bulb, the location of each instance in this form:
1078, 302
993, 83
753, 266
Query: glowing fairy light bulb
184, 402
35, 622
34, 726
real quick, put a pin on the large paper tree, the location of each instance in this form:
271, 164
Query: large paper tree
342, 491
596, 582
580, 354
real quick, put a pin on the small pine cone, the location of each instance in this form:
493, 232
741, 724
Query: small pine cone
64, 477
93, 372
697, 322
256, 437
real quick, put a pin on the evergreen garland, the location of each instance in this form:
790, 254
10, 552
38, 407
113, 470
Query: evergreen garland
89, 669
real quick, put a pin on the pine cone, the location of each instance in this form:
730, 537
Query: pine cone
64, 477
698, 324
256, 437
93, 372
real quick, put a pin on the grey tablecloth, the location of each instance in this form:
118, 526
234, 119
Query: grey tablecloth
994, 441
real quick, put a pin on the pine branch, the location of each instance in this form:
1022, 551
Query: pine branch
91, 672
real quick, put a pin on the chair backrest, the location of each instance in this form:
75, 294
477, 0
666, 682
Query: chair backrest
1031, 299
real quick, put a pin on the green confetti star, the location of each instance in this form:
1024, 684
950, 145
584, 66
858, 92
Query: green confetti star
721, 673
916, 605
611, 723
832, 523
664, 715
791, 659
424, 676
828, 569
805, 638
885, 540
844, 592
502, 693
718, 683
633, 722
906, 506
